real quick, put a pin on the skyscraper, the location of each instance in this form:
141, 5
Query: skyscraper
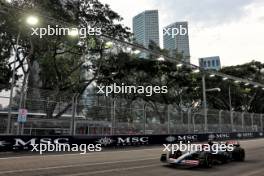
146, 27
176, 40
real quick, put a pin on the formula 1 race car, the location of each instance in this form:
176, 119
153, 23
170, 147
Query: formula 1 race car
206, 158
189, 159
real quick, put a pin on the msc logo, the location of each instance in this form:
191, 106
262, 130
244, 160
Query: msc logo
187, 138
219, 136
132, 140
33, 141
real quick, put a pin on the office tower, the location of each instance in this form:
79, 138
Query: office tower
210, 63
146, 27
176, 40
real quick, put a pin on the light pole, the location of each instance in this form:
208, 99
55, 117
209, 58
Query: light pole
31, 20
230, 108
230, 104
9, 118
205, 103
74, 106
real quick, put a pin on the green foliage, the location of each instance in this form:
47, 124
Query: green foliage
244, 98
56, 62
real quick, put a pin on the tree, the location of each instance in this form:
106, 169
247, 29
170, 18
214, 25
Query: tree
131, 70
6, 74
244, 98
55, 62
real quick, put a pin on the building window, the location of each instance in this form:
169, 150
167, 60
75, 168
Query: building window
209, 63
204, 63
213, 63
217, 63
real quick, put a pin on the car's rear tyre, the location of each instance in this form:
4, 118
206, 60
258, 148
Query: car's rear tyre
242, 155
163, 158
207, 160
239, 155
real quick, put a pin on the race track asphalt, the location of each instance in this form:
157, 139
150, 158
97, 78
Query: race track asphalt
132, 162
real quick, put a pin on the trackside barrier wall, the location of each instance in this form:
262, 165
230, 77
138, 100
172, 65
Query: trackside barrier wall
17, 143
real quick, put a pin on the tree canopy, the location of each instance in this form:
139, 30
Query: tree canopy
59, 63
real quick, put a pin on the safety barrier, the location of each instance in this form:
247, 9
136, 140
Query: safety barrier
17, 143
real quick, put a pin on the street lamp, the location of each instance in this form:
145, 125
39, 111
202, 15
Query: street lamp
217, 89
246, 84
212, 75
179, 65
161, 59
73, 32
136, 52
31, 20
196, 71
109, 45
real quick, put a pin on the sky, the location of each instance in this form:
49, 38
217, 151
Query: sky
231, 29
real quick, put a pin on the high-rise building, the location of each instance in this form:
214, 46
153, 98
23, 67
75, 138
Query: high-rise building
176, 40
210, 63
146, 27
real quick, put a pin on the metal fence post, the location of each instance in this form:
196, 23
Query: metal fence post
243, 121
220, 121
144, 118
114, 116
168, 116
113, 104
189, 113
74, 101
252, 121
193, 122
261, 122
232, 121
205, 121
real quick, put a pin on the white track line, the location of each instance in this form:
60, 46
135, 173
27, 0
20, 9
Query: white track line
72, 165
73, 154
113, 170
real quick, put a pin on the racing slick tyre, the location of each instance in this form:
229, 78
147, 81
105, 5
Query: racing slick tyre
206, 160
225, 158
239, 154
163, 158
